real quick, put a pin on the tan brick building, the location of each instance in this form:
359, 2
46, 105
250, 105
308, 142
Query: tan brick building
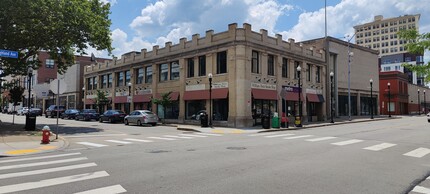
253, 74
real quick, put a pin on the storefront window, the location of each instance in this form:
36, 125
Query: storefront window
174, 70
194, 108
263, 107
220, 110
164, 70
171, 112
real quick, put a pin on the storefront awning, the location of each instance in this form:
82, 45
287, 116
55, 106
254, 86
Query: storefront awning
120, 99
315, 97
142, 98
264, 94
90, 101
292, 96
173, 95
219, 93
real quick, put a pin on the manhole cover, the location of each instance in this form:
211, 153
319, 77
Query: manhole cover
135, 134
190, 150
158, 151
236, 148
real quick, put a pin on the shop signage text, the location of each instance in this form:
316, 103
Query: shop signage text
263, 86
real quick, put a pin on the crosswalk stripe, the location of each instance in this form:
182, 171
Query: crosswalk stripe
106, 190
261, 134
342, 143
321, 139
280, 135
117, 141
39, 157
104, 135
210, 134
91, 144
418, 153
44, 171
419, 189
174, 136
138, 140
42, 163
52, 182
297, 137
190, 135
379, 146
162, 138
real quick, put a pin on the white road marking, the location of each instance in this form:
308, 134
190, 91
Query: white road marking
106, 190
139, 140
210, 134
48, 170
174, 136
117, 141
418, 153
261, 134
419, 189
189, 135
321, 139
41, 163
52, 182
39, 157
379, 146
162, 138
92, 144
342, 143
105, 135
297, 137
280, 135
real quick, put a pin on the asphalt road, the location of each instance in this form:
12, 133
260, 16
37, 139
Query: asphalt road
390, 156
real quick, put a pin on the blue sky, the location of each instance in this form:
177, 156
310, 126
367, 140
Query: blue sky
138, 24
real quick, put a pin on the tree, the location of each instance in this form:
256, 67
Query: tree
165, 101
417, 44
15, 94
101, 100
60, 27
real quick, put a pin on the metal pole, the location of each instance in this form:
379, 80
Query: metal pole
349, 80
419, 103
331, 97
58, 104
371, 99
425, 104
210, 102
300, 106
389, 100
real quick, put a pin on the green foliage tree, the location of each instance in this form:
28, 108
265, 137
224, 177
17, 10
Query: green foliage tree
417, 44
101, 100
164, 101
15, 94
60, 27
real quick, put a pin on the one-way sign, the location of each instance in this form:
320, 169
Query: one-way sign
9, 54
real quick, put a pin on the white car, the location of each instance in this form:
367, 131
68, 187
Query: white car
22, 111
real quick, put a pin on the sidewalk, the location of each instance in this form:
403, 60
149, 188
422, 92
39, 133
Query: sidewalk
259, 129
15, 141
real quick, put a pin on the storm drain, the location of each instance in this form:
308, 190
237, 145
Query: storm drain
158, 151
236, 148
191, 150
135, 134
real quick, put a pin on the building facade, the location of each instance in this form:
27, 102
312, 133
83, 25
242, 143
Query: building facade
253, 74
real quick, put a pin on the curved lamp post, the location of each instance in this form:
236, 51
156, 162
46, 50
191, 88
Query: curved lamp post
331, 97
129, 97
389, 99
210, 99
83, 97
27, 120
299, 122
371, 98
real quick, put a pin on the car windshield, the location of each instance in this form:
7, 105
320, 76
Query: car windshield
118, 112
90, 111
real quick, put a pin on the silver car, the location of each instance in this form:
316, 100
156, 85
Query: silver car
140, 117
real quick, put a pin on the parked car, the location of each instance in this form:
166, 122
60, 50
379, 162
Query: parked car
35, 111
197, 115
5, 109
69, 114
87, 115
140, 117
52, 110
22, 111
112, 116
428, 117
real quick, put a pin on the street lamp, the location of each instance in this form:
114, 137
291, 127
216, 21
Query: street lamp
389, 99
371, 98
350, 54
83, 97
331, 96
299, 119
419, 103
129, 97
28, 126
425, 104
210, 99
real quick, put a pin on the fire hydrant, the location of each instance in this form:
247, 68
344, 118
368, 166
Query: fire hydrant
46, 132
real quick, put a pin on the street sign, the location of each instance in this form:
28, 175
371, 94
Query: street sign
8, 54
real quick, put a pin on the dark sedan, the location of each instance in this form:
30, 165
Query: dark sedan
35, 111
69, 114
112, 116
87, 115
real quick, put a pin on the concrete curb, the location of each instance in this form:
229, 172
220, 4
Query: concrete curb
64, 146
188, 129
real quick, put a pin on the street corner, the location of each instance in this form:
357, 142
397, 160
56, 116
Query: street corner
33, 147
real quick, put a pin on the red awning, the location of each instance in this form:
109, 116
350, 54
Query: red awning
315, 98
293, 96
142, 98
173, 95
264, 94
219, 93
120, 99
90, 101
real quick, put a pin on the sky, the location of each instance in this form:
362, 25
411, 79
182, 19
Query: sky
138, 24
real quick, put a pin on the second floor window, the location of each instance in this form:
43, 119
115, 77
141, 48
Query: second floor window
308, 75
127, 77
255, 62
284, 67
139, 77
120, 79
164, 72
49, 63
109, 78
318, 74
148, 77
270, 65
202, 65
221, 62
174, 70
190, 67
103, 79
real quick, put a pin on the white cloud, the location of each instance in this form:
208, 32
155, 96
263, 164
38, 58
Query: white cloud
265, 14
122, 45
112, 2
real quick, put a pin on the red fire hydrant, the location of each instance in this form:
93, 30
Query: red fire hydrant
46, 132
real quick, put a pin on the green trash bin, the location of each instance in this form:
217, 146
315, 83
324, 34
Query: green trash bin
275, 121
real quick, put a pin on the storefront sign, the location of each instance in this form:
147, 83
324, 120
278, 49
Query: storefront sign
123, 93
263, 86
291, 89
146, 91
313, 91
220, 85
195, 87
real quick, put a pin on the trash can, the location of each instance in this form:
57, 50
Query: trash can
275, 120
265, 121
204, 120
30, 122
